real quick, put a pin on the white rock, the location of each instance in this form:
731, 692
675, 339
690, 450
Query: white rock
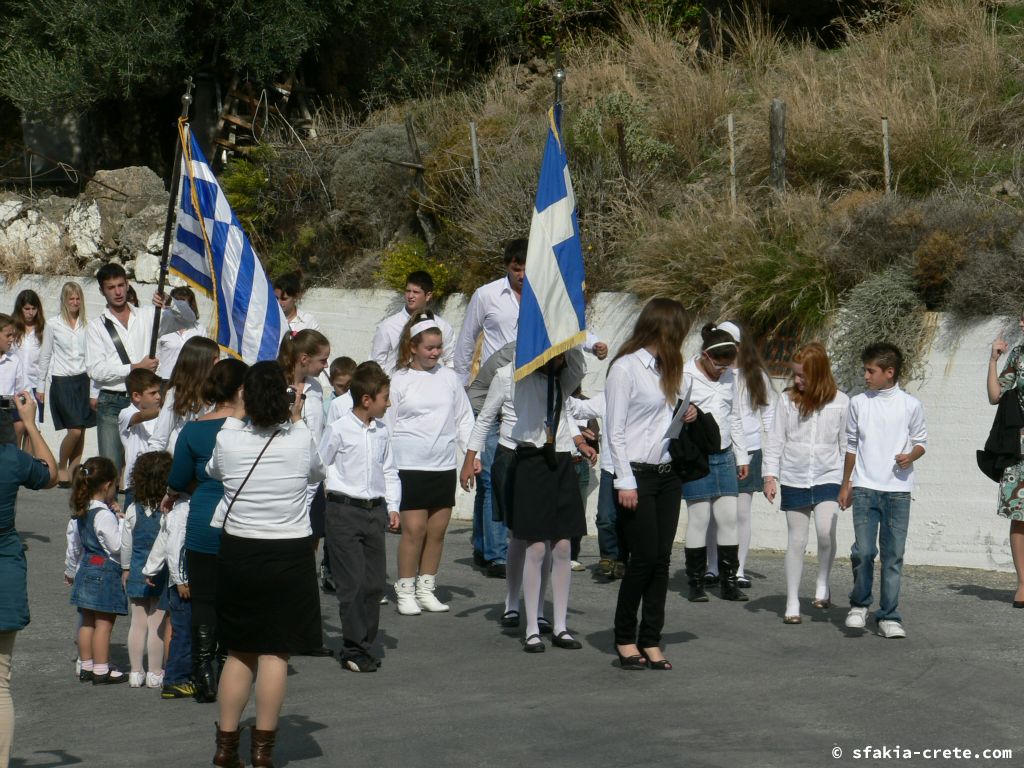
9, 211
83, 227
147, 268
33, 242
155, 242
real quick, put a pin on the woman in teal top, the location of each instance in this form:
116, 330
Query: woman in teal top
36, 471
202, 542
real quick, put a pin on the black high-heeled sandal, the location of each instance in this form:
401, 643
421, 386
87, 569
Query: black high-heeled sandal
631, 663
661, 664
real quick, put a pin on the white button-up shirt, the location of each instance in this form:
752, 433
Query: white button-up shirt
638, 415
28, 350
360, 461
428, 419
754, 420
63, 350
12, 374
497, 403
303, 321
594, 408
101, 359
389, 333
717, 398
494, 309
803, 453
169, 345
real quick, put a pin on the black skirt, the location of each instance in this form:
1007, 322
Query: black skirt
422, 489
69, 402
546, 504
267, 596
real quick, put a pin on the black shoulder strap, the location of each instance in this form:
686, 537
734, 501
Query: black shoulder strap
116, 338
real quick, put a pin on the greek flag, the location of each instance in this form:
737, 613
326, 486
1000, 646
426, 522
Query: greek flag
551, 312
213, 255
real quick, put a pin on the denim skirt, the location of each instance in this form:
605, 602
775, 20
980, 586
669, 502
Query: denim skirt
753, 482
98, 587
720, 481
802, 498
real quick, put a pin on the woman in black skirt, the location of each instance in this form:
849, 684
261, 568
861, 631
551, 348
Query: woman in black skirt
429, 415
62, 360
268, 606
641, 393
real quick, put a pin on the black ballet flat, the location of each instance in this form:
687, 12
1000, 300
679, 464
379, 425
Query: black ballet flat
1018, 603
564, 640
544, 626
663, 664
510, 619
537, 647
631, 663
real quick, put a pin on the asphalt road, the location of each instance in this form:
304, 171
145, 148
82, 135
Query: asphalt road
456, 690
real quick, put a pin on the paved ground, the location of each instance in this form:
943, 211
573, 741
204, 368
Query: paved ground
455, 690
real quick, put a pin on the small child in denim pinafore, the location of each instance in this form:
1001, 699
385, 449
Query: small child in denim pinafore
141, 526
94, 556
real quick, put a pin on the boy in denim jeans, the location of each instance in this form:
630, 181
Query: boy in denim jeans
885, 435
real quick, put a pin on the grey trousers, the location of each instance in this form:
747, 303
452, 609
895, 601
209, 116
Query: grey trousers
355, 541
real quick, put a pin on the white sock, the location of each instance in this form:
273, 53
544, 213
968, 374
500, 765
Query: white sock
826, 515
743, 518
561, 575
797, 521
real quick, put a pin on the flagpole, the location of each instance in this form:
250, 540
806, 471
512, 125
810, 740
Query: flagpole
172, 203
558, 76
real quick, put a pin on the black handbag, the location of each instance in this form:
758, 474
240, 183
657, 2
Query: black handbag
689, 452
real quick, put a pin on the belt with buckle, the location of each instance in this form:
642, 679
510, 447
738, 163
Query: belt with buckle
651, 469
118, 393
341, 498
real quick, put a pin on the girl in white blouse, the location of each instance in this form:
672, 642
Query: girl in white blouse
183, 401
805, 452
29, 327
429, 418
62, 361
712, 383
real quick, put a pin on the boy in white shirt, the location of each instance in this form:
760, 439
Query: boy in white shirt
363, 498
135, 423
886, 434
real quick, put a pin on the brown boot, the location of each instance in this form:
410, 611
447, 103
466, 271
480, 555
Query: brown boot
262, 749
226, 755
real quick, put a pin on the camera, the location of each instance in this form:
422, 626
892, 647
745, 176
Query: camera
9, 402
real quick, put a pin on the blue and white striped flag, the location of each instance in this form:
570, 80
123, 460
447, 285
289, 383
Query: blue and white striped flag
211, 253
551, 312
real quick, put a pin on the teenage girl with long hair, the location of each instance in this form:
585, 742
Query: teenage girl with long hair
755, 397
645, 384
429, 416
712, 385
94, 556
185, 312
62, 359
29, 328
805, 451
184, 401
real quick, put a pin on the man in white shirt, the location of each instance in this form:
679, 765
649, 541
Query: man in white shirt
494, 311
419, 290
116, 342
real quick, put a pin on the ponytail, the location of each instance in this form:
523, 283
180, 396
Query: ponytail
305, 342
89, 477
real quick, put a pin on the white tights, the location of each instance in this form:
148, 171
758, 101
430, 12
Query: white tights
146, 633
537, 553
698, 517
516, 561
798, 521
743, 503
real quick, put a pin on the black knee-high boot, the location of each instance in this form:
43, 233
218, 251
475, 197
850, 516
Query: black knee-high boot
696, 564
204, 649
728, 564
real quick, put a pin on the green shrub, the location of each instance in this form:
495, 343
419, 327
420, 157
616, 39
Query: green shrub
409, 256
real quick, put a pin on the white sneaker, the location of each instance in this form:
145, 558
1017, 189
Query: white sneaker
155, 679
890, 629
136, 679
857, 618
576, 565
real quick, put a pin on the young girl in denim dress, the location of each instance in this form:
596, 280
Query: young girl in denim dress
95, 547
140, 529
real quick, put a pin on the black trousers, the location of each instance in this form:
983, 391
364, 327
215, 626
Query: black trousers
648, 532
355, 540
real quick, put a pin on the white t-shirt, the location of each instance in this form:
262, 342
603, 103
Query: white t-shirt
134, 438
429, 414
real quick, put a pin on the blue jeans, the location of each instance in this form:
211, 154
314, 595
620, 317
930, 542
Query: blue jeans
882, 517
179, 656
108, 440
490, 538
607, 518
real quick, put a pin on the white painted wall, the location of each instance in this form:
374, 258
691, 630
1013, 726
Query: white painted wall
953, 520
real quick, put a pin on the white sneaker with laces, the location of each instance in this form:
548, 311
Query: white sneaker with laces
857, 618
136, 679
892, 630
155, 679
576, 565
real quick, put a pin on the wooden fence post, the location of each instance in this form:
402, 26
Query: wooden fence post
777, 134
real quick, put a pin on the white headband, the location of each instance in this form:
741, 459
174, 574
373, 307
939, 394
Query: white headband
424, 325
731, 328
720, 344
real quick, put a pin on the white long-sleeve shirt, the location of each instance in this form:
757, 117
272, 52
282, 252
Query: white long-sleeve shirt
28, 350
313, 407
429, 418
303, 321
497, 404
164, 432
384, 348
134, 439
360, 460
168, 545
339, 407
638, 415
493, 309
131, 516
101, 359
169, 345
108, 532
803, 453
717, 398
594, 408
63, 351
73, 550
884, 423
12, 374
754, 420
272, 505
